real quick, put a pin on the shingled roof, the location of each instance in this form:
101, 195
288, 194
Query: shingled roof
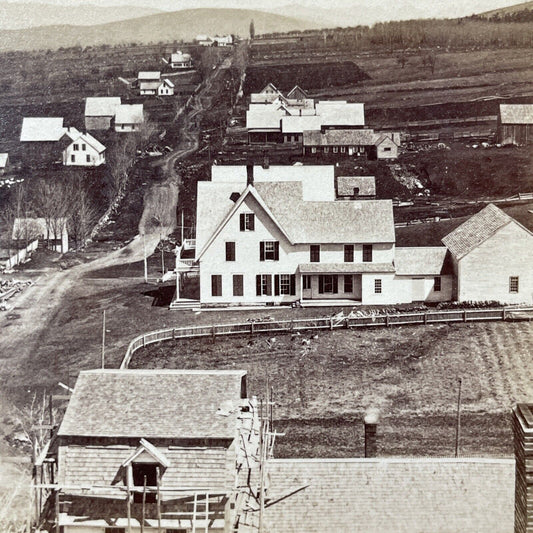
356, 185
516, 113
101, 106
153, 404
422, 260
476, 230
391, 495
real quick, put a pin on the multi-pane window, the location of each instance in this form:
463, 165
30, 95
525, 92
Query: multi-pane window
247, 222
306, 281
314, 253
328, 283
76, 147
238, 285
88, 158
513, 284
348, 253
284, 284
264, 284
230, 251
335, 149
216, 285
84, 147
367, 253
437, 284
343, 149
269, 251
348, 283
377, 286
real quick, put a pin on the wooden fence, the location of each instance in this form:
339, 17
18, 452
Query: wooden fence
21, 255
323, 323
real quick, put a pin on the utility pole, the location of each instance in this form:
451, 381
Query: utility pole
162, 254
145, 262
458, 426
103, 341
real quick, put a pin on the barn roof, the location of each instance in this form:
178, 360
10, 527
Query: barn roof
129, 114
153, 404
340, 138
365, 185
516, 113
149, 85
422, 260
149, 75
385, 495
101, 106
41, 129
476, 230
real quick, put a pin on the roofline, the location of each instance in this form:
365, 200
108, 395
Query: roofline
140, 371
399, 460
250, 189
145, 436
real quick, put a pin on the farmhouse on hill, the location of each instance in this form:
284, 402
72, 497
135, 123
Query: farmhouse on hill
492, 257
166, 88
84, 150
149, 82
129, 118
100, 112
280, 234
160, 450
180, 60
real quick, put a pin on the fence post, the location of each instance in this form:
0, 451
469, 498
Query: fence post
426, 317
144, 341
330, 322
347, 323
387, 320
464, 315
213, 333
504, 314
173, 334
252, 327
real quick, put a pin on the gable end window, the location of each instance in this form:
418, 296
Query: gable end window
367, 253
76, 147
513, 284
216, 285
230, 251
88, 158
269, 251
437, 283
314, 253
348, 253
247, 221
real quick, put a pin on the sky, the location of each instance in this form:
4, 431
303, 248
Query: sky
412, 8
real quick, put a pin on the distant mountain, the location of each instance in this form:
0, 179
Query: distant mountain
15, 15
170, 26
525, 6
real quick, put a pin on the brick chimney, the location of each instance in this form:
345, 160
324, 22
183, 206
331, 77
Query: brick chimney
371, 429
250, 174
523, 449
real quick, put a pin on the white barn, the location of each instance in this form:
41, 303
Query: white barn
129, 117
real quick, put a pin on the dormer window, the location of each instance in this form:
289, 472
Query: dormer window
247, 222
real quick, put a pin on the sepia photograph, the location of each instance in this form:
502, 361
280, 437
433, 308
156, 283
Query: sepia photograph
266, 267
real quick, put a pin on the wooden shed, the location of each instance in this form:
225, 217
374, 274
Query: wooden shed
515, 124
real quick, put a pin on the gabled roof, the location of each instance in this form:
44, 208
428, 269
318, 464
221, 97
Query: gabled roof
129, 114
149, 75
383, 138
516, 113
90, 140
149, 85
3, 159
272, 87
364, 185
297, 92
148, 448
264, 118
422, 261
339, 138
101, 106
41, 129
166, 81
153, 404
402, 495
476, 230
180, 56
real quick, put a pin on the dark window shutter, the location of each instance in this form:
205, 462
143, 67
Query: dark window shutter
269, 285
276, 285
258, 284
321, 284
242, 221
252, 222
276, 251
335, 284
293, 284
261, 251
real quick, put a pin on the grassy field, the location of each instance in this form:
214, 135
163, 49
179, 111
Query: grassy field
409, 373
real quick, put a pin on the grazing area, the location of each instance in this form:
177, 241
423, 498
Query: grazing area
410, 374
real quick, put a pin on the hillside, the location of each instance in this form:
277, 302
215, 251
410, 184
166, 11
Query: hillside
177, 25
517, 8
15, 16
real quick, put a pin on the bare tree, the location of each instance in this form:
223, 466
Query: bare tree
429, 59
19, 206
252, 30
83, 216
119, 161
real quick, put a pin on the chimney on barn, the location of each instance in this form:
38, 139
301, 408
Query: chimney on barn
523, 449
250, 174
371, 429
